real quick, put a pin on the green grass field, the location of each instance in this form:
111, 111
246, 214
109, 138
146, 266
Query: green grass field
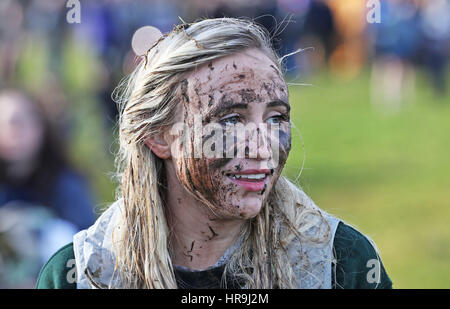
387, 174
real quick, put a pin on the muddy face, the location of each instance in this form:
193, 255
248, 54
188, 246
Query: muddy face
240, 102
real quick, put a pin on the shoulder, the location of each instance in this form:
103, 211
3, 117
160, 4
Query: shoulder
357, 261
358, 264
59, 272
350, 241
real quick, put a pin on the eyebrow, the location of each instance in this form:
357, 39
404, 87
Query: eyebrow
224, 107
279, 103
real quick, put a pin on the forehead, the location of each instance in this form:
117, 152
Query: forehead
222, 69
250, 74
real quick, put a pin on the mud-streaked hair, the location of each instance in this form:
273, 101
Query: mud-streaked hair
147, 102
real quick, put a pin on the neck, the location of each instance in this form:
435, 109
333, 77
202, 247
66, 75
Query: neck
198, 238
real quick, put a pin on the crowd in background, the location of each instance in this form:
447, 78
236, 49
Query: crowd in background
48, 66
36, 34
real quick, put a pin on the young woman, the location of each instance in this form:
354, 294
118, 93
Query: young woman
43, 200
33, 166
202, 203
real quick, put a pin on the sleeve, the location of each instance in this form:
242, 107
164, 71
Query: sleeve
60, 270
358, 264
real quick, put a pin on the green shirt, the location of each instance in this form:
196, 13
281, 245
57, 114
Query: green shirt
353, 269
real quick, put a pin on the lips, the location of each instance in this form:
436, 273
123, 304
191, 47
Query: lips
250, 180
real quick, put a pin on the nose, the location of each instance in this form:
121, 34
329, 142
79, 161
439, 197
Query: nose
258, 143
264, 149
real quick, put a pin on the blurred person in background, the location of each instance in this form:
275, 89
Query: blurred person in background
105, 26
435, 46
293, 24
293, 13
396, 44
313, 29
43, 201
348, 55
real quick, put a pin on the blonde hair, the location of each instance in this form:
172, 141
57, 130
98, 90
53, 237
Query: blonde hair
147, 101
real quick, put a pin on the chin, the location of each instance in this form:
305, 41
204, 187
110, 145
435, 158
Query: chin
250, 208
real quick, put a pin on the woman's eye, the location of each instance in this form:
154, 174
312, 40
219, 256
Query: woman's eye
277, 119
230, 120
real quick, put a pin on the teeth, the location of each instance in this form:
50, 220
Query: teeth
248, 176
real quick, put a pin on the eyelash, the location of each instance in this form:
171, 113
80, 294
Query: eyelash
282, 117
223, 121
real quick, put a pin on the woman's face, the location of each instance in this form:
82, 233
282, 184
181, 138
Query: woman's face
236, 110
21, 129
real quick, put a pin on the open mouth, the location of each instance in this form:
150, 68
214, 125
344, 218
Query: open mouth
250, 180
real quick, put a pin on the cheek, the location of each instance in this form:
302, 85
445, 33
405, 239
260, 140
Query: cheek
193, 174
285, 142
284, 147
206, 180
199, 174
223, 192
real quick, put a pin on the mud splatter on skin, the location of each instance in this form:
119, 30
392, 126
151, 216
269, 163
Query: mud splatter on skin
190, 256
264, 190
213, 233
247, 152
189, 252
285, 140
184, 90
267, 88
273, 88
248, 95
219, 163
224, 69
211, 100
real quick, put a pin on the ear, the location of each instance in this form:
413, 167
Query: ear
159, 145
